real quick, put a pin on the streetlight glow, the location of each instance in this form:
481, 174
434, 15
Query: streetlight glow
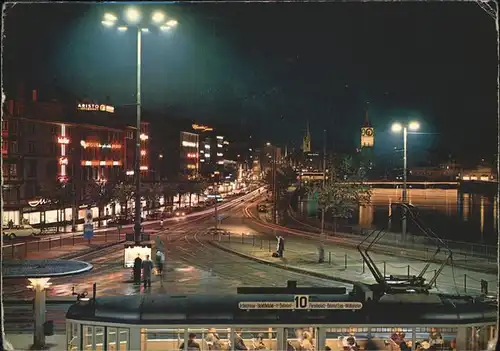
158, 17
145, 30
108, 23
110, 17
165, 28
396, 127
122, 28
133, 15
414, 126
172, 23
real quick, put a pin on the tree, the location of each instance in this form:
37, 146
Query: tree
123, 193
169, 191
342, 193
182, 189
199, 188
99, 194
60, 194
152, 193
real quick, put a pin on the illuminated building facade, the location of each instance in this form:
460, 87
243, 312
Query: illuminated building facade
189, 154
43, 144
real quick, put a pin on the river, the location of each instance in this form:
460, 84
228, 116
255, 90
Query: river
451, 214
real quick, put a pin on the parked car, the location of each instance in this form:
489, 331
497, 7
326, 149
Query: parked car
19, 231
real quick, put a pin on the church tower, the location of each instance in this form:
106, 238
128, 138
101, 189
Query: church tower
367, 134
306, 143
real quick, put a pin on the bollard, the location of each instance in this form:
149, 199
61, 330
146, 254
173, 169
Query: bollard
60, 241
345, 261
261, 243
408, 271
73, 239
269, 241
329, 257
384, 270
229, 236
436, 282
242, 238
465, 283
253, 240
363, 266
426, 253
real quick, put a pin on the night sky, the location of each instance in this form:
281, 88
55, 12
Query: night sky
270, 67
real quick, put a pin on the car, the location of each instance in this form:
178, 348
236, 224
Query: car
179, 213
19, 231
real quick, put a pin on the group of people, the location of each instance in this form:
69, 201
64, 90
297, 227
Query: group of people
214, 342
146, 267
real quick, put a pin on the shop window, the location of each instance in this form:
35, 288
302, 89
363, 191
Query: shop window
13, 127
162, 339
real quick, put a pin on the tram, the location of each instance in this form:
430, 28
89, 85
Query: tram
274, 319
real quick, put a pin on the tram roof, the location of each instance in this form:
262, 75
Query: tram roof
224, 309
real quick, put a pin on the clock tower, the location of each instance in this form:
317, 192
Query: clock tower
367, 134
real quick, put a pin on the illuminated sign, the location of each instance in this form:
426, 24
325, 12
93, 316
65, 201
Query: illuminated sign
202, 128
300, 302
144, 168
101, 163
95, 107
63, 161
192, 155
220, 137
95, 144
143, 137
220, 154
143, 152
37, 202
189, 144
191, 166
62, 140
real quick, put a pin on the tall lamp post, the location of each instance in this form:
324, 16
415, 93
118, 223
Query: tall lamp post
397, 128
132, 20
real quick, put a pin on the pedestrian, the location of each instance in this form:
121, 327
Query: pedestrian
137, 270
147, 271
160, 261
281, 246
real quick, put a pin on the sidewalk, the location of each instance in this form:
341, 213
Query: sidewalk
477, 264
345, 265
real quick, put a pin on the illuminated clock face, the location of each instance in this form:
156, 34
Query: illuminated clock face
369, 132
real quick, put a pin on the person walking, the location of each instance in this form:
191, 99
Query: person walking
137, 270
147, 271
160, 261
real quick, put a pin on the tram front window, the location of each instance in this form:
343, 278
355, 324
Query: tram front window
301, 339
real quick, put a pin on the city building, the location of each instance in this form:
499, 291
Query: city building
49, 143
189, 155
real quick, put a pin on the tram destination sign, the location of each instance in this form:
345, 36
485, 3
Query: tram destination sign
300, 302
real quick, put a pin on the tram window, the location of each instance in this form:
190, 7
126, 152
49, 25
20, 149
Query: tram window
162, 339
259, 338
73, 337
99, 338
438, 338
211, 338
112, 339
123, 336
88, 338
303, 339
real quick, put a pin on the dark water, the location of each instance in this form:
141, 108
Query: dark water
449, 213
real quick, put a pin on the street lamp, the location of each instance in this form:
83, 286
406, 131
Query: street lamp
397, 128
132, 20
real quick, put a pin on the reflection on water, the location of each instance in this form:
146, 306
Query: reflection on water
448, 212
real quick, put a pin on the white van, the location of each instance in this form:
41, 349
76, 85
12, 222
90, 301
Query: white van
19, 231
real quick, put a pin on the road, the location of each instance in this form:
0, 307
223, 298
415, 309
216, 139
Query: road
192, 267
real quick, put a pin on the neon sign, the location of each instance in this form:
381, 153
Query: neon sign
63, 161
37, 202
95, 144
95, 107
101, 163
202, 128
62, 140
192, 155
189, 144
